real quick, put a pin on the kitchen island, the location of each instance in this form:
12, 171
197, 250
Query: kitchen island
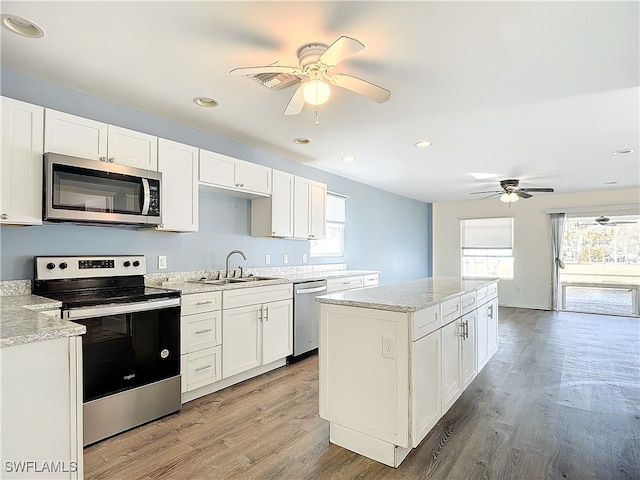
393, 359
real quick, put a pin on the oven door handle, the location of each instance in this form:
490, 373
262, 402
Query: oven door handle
147, 196
116, 309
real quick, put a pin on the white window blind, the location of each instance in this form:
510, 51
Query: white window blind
483, 233
487, 247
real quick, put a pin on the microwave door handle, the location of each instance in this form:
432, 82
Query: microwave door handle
147, 196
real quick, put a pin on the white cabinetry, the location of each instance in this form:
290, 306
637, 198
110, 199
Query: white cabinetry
487, 325
370, 280
42, 408
344, 283
273, 216
222, 171
468, 341
178, 164
21, 163
257, 327
200, 339
81, 137
309, 209
451, 360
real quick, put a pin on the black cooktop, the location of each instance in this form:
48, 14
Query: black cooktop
85, 298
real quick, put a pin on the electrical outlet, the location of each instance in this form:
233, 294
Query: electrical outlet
285, 258
304, 258
388, 347
267, 259
517, 288
162, 262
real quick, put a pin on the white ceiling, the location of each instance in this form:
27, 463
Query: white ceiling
539, 91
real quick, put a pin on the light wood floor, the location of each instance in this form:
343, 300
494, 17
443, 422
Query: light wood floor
560, 399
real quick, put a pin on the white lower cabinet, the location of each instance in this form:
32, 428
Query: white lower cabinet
343, 284
487, 330
257, 328
387, 377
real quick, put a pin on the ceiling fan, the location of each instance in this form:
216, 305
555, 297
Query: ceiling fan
511, 193
316, 60
606, 221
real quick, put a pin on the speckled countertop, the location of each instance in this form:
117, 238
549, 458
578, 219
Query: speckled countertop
22, 321
406, 297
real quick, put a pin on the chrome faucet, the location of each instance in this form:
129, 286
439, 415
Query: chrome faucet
227, 262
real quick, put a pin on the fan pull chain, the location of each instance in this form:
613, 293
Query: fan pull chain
317, 122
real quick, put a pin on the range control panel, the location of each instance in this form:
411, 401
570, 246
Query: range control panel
67, 267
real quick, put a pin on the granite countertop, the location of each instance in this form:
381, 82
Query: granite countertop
406, 297
22, 321
198, 287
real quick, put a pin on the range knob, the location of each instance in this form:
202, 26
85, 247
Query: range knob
51, 266
136, 263
127, 263
63, 265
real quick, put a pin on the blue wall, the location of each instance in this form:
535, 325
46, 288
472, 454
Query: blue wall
383, 232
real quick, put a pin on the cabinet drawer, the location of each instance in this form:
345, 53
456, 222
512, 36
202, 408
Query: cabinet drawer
468, 302
425, 321
481, 296
449, 310
241, 297
345, 283
370, 280
201, 302
200, 331
202, 368
492, 291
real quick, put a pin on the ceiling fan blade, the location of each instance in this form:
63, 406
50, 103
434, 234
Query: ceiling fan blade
265, 69
342, 48
296, 104
362, 87
491, 191
523, 194
547, 190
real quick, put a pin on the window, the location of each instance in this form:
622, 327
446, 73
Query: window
487, 247
333, 244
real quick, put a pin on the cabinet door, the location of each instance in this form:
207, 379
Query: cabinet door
492, 330
451, 382
200, 331
282, 204
178, 164
301, 208
483, 336
217, 169
253, 177
277, 330
21, 163
468, 344
75, 136
201, 368
426, 395
317, 211
135, 149
241, 339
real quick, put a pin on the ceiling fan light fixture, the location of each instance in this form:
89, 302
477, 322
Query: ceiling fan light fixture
316, 92
509, 197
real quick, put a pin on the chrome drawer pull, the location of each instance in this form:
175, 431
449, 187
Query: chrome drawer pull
207, 330
199, 369
206, 302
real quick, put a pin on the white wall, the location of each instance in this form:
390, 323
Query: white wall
532, 238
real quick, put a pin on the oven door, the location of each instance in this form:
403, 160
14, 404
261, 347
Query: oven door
82, 190
124, 349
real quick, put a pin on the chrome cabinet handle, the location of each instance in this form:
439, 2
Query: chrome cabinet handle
206, 330
4, 216
111, 160
199, 369
205, 302
103, 159
266, 314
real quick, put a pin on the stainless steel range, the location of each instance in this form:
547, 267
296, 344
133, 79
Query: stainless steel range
131, 351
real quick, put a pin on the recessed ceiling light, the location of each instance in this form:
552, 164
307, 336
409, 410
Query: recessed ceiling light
22, 26
624, 151
610, 183
301, 141
348, 159
206, 102
423, 144
484, 176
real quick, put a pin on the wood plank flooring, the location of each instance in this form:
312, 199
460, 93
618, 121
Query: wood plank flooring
560, 400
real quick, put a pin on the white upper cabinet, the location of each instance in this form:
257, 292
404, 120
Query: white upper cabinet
273, 216
309, 211
222, 171
21, 163
81, 137
178, 164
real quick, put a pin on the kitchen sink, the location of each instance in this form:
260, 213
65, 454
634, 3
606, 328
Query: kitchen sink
227, 281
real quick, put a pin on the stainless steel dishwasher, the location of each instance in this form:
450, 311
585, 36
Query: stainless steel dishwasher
306, 317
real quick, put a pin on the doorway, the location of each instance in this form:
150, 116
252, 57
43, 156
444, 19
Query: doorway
601, 255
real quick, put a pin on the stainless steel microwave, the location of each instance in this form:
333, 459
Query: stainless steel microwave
81, 190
